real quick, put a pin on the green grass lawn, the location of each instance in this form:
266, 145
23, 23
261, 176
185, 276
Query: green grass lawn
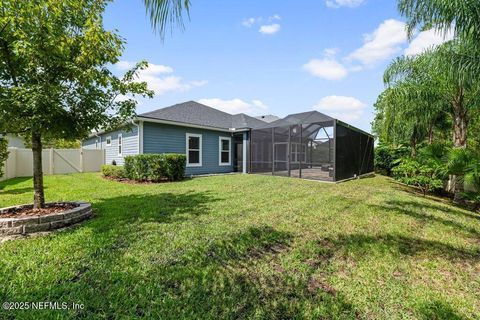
247, 246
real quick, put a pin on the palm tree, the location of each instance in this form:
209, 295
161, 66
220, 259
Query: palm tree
164, 13
461, 16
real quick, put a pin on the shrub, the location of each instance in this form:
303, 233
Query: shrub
113, 172
426, 177
175, 166
386, 158
3, 154
155, 167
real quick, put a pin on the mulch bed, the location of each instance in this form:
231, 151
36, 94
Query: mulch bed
28, 211
128, 181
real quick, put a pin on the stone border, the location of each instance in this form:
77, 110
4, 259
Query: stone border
31, 224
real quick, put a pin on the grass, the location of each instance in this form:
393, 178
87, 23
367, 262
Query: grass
246, 246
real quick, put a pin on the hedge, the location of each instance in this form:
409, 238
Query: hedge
113, 172
155, 167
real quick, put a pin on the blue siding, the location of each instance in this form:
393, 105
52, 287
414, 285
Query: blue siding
163, 138
130, 144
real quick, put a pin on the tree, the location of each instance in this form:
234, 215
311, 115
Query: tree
54, 76
166, 12
3, 153
461, 16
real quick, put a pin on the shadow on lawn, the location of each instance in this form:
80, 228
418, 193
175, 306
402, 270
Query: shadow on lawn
418, 211
160, 208
237, 277
13, 182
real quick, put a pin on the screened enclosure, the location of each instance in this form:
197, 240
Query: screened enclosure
311, 145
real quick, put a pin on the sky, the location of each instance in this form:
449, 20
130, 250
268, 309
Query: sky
270, 56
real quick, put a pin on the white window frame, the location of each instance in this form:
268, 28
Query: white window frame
120, 144
200, 146
220, 163
106, 141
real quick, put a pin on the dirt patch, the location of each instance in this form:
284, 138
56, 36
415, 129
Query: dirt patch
318, 283
28, 211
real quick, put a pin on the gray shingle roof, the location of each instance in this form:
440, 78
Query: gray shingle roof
192, 112
195, 113
268, 118
301, 118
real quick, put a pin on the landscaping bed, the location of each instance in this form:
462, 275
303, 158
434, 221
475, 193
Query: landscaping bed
23, 220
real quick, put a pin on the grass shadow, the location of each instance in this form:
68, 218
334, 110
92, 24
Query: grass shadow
437, 310
160, 208
14, 181
405, 208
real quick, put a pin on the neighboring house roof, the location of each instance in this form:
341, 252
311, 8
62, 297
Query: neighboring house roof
301, 118
195, 113
268, 118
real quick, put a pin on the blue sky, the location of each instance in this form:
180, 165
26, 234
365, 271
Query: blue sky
270, 57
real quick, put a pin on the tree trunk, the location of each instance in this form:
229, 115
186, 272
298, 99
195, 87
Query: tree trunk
39, 197
430, 134
460, 124
413, 144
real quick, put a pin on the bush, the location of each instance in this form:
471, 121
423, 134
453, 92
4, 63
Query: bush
426, 177
155, 167
3, 154
387, 157
114, 172
175, 166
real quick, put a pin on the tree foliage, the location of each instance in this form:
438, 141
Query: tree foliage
3, 154
54, 77
164, 13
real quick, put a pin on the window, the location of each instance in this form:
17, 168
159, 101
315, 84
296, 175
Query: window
109, 141
194, 150
120, 144
224, 151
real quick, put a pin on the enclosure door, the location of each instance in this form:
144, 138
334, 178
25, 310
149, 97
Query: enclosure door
280, 163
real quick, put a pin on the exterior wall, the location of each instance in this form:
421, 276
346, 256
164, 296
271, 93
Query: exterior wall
163, 138
15, 142
130, 144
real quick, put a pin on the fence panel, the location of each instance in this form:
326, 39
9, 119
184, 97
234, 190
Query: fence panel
55, 161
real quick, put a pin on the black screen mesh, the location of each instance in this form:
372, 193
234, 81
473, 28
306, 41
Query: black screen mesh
354, 153
312, 151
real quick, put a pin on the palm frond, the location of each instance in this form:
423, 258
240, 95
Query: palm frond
164, 13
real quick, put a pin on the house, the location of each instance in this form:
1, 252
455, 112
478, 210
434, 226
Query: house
268, 118
304, 145
15, 141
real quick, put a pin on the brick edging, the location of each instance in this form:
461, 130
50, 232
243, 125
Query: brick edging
32, 224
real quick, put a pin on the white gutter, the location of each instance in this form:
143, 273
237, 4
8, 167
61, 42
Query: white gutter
139, 135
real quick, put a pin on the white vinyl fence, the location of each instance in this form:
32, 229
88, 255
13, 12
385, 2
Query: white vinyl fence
55, 161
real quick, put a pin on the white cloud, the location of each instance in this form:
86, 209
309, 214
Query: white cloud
235, 106
382, 44
154, 76
328, 67
274, 17
269, 28
426, 40
343, 3
249, 22
341, 107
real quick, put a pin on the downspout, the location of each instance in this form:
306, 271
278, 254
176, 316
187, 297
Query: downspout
101, 148
96, 135
139, 135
